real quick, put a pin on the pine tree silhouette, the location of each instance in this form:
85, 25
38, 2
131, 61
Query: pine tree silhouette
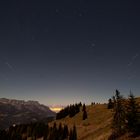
119, 118
84, 112
110, 104
74, 133
133, 115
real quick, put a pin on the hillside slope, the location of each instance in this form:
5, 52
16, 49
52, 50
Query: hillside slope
96, 126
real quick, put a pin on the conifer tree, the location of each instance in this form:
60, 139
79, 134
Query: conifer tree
65, 132
80, 104
74, 133
84, 114
119, 117
133, 115
60, 131
84, 107
110, 104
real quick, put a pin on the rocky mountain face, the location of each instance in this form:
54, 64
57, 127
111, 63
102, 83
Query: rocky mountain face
20, 111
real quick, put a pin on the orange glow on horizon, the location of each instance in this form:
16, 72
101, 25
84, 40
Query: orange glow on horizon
56, 109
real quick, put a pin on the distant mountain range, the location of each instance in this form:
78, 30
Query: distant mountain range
19, 111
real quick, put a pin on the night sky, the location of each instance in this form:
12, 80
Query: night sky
64, 51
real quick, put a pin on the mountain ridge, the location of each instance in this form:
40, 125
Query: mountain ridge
14, 111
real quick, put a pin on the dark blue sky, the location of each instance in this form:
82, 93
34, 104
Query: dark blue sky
60, 52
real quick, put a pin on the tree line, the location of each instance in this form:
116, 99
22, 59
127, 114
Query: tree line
126, 115
36, 130
39, 130
71, 111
